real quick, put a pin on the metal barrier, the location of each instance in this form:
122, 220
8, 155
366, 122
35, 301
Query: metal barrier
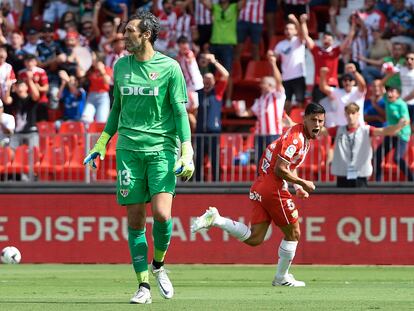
220, 158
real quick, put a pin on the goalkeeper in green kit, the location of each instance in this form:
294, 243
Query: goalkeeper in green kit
150, 116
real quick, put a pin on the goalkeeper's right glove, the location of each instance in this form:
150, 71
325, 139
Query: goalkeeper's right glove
98, 150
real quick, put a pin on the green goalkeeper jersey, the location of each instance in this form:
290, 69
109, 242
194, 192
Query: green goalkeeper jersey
149, 104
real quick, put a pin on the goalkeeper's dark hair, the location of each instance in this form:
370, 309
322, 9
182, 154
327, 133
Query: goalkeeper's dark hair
149, 22
314, 108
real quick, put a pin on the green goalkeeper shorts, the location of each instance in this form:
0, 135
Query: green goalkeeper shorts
140, 175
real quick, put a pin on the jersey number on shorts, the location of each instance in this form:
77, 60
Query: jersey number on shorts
124, 177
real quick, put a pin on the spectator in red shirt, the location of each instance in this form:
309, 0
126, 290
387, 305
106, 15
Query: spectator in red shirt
98, 102
326, 55
39, 76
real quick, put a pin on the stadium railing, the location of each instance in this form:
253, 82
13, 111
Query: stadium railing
57, 157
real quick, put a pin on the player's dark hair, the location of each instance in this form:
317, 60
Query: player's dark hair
314, 108
3, 47
148, 23
328, 33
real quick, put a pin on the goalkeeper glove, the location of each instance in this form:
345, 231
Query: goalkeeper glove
98, 149
184, 167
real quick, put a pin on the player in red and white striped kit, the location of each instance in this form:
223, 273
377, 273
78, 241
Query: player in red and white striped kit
270, 197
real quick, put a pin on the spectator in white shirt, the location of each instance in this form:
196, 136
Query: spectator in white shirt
7, 126
353, 91
291, 52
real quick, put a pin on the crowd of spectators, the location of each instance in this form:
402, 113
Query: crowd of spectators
56, 60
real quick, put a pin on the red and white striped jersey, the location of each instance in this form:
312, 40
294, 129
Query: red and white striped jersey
253, 11
183, 27
201, 13
374, 20
166, 36
191, 72
6, 73
39, 77
269, 110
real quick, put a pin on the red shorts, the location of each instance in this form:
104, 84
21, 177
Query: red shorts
272, 203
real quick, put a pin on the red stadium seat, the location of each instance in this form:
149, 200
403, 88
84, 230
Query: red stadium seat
107, 168
231, 145
275, 40
47, 133
70, 127
25, 159
256, 70
237, 72
96, 127
55, 158
314, 165
6, 158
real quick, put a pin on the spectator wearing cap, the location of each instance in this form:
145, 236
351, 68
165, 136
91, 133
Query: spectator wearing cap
353, 152
54, 9
395, 110
7, 75
37, 75
98, 102
50, 55
7, 126
353, 91
15, 52
33, 41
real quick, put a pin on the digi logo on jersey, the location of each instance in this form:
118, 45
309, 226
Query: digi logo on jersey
139, 90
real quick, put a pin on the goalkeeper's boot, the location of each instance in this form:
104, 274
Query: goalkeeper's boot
163, 282
206, 220
141, 296
287, 280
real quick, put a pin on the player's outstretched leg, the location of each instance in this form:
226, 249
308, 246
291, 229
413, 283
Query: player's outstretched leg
287, 251
212, 218
142, 295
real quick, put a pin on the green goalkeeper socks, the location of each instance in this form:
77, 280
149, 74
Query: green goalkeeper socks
161, 232
138, 248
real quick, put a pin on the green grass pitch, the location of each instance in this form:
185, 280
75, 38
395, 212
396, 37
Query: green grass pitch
207, 287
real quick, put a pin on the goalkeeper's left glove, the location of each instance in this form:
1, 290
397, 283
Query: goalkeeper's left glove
184, 167
98, 150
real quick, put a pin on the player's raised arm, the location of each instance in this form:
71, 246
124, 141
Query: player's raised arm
184, 167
